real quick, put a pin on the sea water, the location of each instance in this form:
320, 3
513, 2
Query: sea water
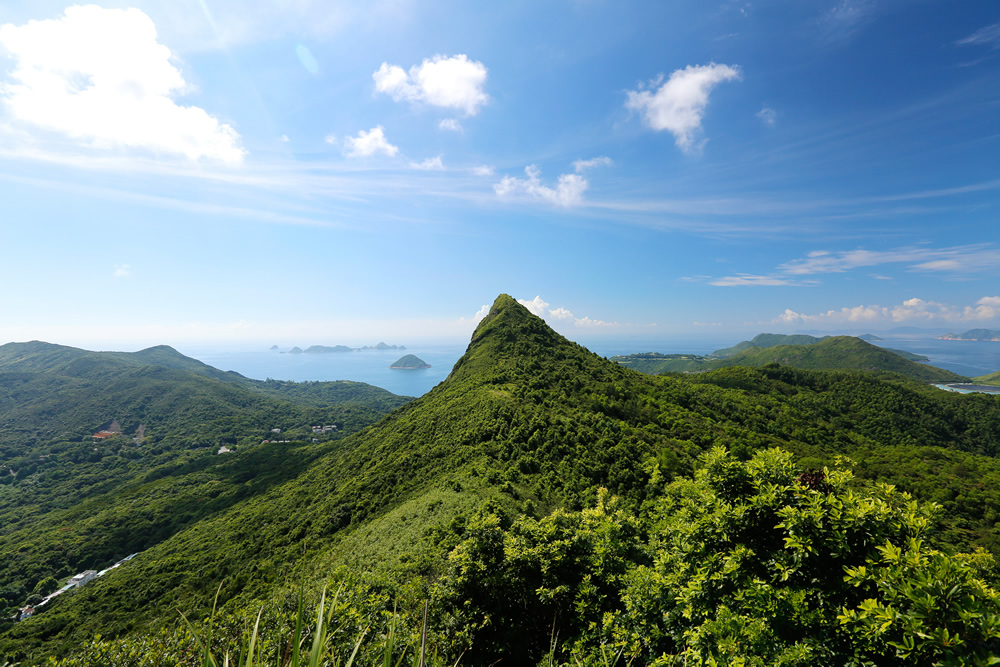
970, 358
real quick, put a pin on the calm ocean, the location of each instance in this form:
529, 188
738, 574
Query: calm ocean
372, 366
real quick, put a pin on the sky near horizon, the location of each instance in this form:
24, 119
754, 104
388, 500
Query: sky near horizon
318, 172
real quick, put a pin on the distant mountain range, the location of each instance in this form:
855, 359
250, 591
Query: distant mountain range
800, 351
974, 334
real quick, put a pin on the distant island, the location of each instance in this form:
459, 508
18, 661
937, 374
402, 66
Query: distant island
383, 346
323, 349
870, 338
409, 362
974, 334
328, 349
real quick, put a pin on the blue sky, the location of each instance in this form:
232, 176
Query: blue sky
344, 172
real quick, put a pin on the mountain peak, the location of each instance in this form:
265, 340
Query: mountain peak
510, 335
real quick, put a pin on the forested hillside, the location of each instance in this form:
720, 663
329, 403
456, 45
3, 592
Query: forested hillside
545, 501
70, 501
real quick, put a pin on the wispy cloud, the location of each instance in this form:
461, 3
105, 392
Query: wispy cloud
750, 280
767, 115
451, 125
987, 36
956, 261
122, 271
842, 20
582, 165
913, 310
968, 258
430, 164
678, 105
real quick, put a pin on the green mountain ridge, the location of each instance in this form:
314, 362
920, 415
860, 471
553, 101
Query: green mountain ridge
829, 353
527, 424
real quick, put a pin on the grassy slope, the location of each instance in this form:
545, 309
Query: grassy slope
992, 378
535, 422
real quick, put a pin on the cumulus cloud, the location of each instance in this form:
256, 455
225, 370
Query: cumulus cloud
913, 310
100, 77
568, 190
284, 139
430, 164
450, 83
540, 307
536, 306
451, 125
330, 139
679, 104
369, 143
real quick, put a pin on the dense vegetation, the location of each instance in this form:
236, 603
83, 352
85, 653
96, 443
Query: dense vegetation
486, 498
69, 501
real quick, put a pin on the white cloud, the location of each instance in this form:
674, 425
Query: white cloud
746, 279
568, 191
100, 77
593, 324
540, 307
678, 105
767, 115
284, 139
122, 271
988, 36
580, 165
913, 310
430, 164
451, 83
956, 259
330, 139
536, 306
369, 143
451, 125
484, 170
